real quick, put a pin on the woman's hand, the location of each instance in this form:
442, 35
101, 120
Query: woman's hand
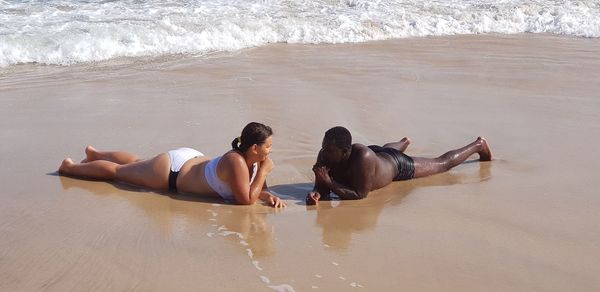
267, 165
276, 202
272, 200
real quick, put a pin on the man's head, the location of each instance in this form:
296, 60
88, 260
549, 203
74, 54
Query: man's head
337, 145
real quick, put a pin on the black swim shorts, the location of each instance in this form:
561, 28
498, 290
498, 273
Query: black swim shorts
404, 163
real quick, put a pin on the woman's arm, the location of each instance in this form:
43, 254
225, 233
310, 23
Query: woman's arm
271, 199
238, 176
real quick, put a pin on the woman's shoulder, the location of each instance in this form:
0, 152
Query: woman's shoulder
233, 157
232, 163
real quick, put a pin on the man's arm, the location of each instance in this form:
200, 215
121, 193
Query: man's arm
362, 171
321, 186
320, 189
346, 193
319, 192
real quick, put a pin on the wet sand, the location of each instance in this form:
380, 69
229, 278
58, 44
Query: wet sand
527, 221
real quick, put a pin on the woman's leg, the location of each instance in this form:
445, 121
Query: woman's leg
118, 157
99, 169
400, 145
151, 173
428, 166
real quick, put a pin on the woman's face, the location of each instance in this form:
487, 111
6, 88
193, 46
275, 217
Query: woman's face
263, 150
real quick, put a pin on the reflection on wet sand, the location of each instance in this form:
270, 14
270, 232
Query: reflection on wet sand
186, 222
340, 220
244, 227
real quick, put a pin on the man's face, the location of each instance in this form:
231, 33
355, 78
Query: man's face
331, 154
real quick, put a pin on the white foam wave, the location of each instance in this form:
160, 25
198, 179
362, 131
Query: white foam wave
65, 32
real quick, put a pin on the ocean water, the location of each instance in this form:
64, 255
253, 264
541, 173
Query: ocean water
65, 32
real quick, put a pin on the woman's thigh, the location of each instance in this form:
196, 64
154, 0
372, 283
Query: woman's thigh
151, 173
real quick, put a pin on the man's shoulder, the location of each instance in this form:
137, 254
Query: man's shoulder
359, 147
362, 152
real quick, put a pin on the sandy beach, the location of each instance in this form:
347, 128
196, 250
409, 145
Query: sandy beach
526, 221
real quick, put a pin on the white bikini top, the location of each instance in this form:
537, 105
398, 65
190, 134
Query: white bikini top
219, 186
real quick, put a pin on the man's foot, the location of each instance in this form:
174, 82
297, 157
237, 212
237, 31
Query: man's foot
486, 153
404, 143
90, 154
65, 165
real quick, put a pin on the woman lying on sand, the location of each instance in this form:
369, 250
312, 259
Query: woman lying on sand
239, 174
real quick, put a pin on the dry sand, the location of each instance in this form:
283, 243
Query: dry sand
527, 221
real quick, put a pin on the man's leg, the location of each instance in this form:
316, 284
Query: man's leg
428, 166
400, 145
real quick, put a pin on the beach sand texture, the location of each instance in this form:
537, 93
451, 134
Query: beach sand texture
527, 221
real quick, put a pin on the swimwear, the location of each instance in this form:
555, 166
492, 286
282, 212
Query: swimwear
178, 158
404, 163
219, 186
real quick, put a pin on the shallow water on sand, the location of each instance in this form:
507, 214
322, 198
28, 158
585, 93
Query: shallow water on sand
525, 221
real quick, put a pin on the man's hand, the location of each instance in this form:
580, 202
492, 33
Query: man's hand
312, 198
322, 175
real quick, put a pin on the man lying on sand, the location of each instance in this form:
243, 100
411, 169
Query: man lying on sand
351, 171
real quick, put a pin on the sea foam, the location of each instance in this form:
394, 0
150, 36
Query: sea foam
65, 32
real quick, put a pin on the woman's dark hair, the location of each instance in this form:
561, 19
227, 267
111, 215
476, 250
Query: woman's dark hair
339, 136
253, 133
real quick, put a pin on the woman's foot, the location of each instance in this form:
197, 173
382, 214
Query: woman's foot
65, 165
90, 154
485, 154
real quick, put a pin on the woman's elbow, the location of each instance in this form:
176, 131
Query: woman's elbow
245, 201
